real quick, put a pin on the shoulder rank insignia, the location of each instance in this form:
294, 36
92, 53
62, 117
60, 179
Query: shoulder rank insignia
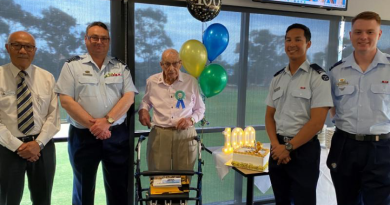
319, 70
74, 58
121, 61
279, 72
336, 64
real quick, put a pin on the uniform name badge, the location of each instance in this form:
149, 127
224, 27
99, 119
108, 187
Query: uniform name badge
180, 96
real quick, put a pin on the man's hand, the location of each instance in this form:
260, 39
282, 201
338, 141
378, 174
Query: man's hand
29, 150
285, 161
184, 123
99, 128
104, 135
35, 158
144, 118
280, 153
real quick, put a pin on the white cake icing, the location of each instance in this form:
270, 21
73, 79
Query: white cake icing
248, 158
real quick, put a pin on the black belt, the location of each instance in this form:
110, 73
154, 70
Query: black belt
287, 139
115, 126
110, 128
28, 138
363, 137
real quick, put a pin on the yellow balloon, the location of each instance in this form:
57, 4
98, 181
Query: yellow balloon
193, 55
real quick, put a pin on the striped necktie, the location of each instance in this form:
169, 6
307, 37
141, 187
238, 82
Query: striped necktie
25, 108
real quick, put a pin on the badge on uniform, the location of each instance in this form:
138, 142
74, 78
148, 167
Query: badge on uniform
302, 88
325, 77
87, 73
180, 96
385, 81
342, 82
112, 75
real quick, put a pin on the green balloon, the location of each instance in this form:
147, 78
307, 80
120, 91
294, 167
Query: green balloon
212, 80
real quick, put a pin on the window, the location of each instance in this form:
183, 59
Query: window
383, 43
59, 29
158, 27
266, 54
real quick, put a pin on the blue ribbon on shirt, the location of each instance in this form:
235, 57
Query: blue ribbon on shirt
180, 102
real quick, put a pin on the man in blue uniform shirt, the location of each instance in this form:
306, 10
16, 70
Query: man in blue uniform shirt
297, 104
97, 90
359, 158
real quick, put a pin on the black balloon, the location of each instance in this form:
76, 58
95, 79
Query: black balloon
204, 10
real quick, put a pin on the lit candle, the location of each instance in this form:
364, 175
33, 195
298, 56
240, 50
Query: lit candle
251, 136
237, 134
234, 140
247, 138
227, 146
239, 137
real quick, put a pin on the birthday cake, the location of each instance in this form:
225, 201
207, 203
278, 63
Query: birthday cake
251, 158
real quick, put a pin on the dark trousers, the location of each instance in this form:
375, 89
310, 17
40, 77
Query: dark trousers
363, 171
40, 175
296, 181
85, 154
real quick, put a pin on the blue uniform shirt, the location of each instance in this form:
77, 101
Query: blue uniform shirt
362, 100
294, 96
96, 90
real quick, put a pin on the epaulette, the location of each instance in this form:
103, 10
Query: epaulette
123, 62
317, 68
336, 64
74, 58
279, 72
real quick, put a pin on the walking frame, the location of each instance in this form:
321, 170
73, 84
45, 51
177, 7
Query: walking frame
167, 198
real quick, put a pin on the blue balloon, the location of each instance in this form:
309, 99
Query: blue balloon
215, 39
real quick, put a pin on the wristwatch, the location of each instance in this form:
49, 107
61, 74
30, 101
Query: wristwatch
289, 147
193, 121
41, 145
110, 120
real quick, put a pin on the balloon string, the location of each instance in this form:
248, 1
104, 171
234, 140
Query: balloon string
204, 25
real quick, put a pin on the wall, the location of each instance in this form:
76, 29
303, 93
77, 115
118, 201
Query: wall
354, 7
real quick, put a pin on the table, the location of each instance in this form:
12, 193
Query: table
249, 174
325, 190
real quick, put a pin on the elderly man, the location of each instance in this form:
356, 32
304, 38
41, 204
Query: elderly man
97, 90
359, 155
29, 118
177, 106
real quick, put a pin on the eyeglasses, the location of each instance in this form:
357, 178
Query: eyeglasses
95, 39
17, 46
168, 64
